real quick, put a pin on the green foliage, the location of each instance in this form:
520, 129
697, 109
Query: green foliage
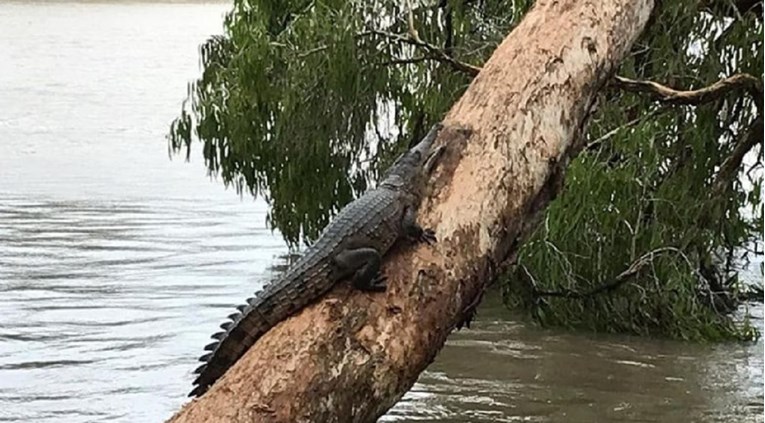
304, 102
649, 188
300, 97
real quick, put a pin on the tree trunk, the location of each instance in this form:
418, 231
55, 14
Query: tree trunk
351, 356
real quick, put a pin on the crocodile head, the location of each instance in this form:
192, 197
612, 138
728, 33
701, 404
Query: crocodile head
409, 170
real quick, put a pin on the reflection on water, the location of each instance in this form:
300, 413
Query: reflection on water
117, 264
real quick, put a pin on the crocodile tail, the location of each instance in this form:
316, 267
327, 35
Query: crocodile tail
239, 333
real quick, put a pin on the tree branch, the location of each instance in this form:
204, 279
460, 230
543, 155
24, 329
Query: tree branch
713, 92
448, 27
410, 22
435, 52
411, 61
593, 145
734, 8
619, 280
729, 167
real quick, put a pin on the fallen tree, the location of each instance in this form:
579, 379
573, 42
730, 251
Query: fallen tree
351, 356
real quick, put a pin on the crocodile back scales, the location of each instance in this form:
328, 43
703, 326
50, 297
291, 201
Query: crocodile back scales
373, 220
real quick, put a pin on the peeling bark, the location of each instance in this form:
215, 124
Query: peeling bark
352, 355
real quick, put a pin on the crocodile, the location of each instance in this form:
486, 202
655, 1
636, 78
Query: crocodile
350, 247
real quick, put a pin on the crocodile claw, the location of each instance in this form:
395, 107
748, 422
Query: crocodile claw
428, 236
378, 283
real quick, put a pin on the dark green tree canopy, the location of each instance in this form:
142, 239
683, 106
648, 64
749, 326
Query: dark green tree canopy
304, 103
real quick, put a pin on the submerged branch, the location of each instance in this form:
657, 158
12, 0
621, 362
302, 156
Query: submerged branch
695, 97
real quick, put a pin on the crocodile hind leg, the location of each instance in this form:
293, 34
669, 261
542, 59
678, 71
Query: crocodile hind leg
364, 265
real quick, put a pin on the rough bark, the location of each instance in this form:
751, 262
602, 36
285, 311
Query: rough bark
351, 356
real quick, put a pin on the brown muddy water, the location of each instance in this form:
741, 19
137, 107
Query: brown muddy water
116, 264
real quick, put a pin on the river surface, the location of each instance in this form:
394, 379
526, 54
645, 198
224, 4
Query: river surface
116, 264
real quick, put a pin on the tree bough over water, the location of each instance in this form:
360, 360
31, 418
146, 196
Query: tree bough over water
305, 102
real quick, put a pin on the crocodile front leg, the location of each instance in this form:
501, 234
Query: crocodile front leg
414, 231
364, 265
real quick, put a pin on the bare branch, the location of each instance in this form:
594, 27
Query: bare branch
413, 60
410, 21
619, 280
592, 145
713, 92
734, 8
435, 52
304, 54
729, 168
448, 27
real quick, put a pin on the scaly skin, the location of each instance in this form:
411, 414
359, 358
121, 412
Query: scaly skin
350, 247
